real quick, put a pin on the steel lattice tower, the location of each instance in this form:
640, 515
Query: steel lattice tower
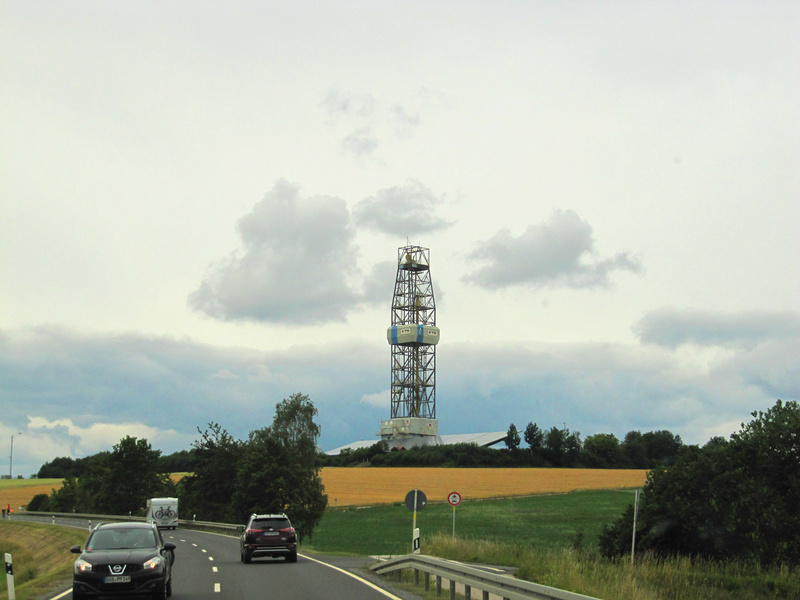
413, 337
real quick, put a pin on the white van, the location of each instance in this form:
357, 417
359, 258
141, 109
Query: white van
163, 512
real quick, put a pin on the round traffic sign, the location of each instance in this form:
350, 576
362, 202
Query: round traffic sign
420, 497
454, 498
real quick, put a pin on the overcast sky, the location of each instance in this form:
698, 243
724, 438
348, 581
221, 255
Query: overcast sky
201, 205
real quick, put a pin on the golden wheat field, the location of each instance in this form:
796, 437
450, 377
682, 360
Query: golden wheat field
18, 492
353, 486
349, 486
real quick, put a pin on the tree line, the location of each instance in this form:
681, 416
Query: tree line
273, 471
65, 466
554, 447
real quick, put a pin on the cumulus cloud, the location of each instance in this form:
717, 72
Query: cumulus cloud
99, 436
671, 327
290, 267
557, 253
407, 209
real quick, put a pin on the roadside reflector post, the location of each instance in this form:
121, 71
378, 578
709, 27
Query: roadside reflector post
10, 577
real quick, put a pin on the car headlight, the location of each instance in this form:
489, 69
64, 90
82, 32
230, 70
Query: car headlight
81, 566
153, 563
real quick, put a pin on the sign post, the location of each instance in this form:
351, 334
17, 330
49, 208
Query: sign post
454, 499
415, 500
633, 536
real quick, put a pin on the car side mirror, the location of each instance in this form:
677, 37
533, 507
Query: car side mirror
169, 546
75, 549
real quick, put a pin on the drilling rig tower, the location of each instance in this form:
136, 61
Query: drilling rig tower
413, 337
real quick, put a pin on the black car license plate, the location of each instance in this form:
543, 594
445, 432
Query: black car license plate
117, 579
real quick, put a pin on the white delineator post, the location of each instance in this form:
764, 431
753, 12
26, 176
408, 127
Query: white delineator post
10, 577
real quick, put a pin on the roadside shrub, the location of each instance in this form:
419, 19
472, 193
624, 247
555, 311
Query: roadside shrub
732, 499
39, 502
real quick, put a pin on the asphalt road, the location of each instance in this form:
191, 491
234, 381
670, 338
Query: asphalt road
208, 567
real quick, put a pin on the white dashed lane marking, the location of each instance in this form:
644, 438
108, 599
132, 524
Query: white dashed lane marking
216, 587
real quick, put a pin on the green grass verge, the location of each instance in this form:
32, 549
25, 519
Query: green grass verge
650, 578
552, 540
41, 555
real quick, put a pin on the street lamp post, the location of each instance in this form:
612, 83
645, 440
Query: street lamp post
11, 458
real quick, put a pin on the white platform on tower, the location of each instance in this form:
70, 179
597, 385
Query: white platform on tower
480, 439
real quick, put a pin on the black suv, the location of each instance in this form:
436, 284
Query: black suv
123, 559
268, 535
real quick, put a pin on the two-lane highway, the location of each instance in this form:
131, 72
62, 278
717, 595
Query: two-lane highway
208, 567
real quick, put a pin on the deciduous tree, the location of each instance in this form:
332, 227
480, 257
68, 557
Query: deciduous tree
278, 472
208, 490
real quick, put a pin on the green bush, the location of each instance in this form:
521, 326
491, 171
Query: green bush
733, 499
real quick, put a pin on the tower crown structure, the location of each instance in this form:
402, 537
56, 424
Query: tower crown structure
413, 336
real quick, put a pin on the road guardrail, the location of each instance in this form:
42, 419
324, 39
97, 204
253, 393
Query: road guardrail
225, 528
471, 578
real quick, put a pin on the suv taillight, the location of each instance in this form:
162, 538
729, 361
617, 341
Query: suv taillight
288, 530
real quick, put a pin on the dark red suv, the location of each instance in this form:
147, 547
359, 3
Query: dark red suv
268, 535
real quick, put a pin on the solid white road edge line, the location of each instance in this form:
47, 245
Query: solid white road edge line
362, 580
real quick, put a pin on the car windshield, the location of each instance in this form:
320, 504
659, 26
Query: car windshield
119, 539
270, 524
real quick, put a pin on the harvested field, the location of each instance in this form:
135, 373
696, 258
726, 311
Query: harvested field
349, 486
18, 492
356, 486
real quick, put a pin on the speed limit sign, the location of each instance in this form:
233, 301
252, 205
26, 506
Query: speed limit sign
454, 498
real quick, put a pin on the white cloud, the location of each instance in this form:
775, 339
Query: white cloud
556, 253
405, 210
44, 439
291, 268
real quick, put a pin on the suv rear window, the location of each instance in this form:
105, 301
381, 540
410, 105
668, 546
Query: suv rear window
270, 523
